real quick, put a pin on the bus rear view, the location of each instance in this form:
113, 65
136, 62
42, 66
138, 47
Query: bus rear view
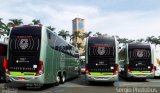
140, 61
23, 63
101, 59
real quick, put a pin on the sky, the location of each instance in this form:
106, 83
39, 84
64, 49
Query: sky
132, 19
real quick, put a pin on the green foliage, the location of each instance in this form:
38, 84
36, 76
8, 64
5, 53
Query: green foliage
51, 28
64, 34
15, 22
36, 21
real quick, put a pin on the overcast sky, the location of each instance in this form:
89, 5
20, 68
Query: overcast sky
131, 19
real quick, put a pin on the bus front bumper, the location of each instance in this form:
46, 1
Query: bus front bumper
102, 78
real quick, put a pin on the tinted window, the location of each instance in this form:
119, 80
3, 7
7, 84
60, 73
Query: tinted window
101, 40
34, 31
139, 51
61, 45
51, 39
101, 46
25, 38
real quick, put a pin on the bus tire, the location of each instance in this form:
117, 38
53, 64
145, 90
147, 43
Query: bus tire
57, 80
63, 79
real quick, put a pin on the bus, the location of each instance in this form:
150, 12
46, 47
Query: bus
101, 59
157, 61
37, 55
137, 61
3, 54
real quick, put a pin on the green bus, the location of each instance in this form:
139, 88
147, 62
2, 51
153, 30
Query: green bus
137, 61
37, 55
101, 59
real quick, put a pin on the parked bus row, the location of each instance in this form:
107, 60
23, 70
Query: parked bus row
36, 55
106, 61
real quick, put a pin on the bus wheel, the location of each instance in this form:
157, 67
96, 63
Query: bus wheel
57, 80
63, 79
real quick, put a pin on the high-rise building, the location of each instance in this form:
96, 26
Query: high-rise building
78, 26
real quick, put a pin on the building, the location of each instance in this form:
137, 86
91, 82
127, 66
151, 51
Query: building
78, 25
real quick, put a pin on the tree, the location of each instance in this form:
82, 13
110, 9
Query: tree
36, 22
4, 29
75, 36
140, 40
79, 45
51, 28
149, 39
105, 34
159, 37
130, 41
123, 40
97, 34
14, 22
64, 34
87, 34
155, 41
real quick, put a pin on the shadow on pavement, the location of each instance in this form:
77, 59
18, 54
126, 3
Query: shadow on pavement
81, 81
133, 79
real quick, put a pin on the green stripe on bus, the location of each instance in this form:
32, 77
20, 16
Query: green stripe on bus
101, 73
141, 72
23, 74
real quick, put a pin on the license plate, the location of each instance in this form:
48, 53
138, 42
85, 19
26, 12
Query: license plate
140, 75
101, 78
21, 79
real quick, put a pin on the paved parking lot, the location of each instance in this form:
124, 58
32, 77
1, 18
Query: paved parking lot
79, 85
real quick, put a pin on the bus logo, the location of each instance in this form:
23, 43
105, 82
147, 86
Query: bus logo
140, 53
101, 50
23, 44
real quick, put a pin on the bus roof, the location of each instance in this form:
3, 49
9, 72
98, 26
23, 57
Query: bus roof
101, 39
139, 44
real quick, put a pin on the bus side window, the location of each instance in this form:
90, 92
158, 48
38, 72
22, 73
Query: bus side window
70, 50
51, 40
49, 35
